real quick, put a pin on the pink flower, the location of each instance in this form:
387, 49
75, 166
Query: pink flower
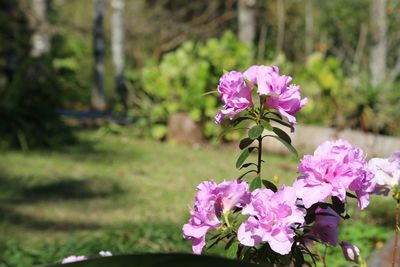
234, 93
281, 94
325, 227
272, 218
73, 259
335, 167
211, 202
386, 172
350, 252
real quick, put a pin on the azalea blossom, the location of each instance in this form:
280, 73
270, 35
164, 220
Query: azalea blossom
272, 218
281, 94
335, 167
386, 171
73, 258
325, 227
234, 93
212, 201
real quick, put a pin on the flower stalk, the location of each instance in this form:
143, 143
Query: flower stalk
396, 238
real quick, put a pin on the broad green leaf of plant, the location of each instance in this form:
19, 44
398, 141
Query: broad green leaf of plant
256, 131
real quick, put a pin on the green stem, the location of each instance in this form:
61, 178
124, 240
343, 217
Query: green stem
227, 220
324, 256
396, 239
259, 150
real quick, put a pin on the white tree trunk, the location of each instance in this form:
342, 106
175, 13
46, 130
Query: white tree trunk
41, 35
98, 98
117, 43
246, 21
309, 21
280, 9
377, 63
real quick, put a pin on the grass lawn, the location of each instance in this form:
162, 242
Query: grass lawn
124, 194
113, 192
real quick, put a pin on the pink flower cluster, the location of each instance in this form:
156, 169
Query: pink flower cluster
234, 93
272, 215
280, 94
272, 219
335, 167
212, 200
386, 171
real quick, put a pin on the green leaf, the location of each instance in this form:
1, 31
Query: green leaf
245, 154
232, 250
267, 125
158, 260
284, 123
244, 174
238, 120
338, 205
256, 183
278, 115
286, 144
351, 195
282, 134
247, 165
270, 185
256, 131
245, 142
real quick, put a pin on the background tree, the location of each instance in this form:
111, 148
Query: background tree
98, 97
309, 27
41, 34
246, 21
280, 11
117, 43
378, 53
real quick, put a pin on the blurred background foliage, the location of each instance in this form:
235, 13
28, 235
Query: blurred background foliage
176, 50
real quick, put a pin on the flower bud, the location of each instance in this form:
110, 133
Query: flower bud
350, 252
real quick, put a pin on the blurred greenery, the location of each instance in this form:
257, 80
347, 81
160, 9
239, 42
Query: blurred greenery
179, 70
185, 81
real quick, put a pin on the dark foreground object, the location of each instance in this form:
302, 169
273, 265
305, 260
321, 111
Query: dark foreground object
159, 260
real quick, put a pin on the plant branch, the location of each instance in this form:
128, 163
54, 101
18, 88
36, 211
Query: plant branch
396, 238
259, 150
260, 139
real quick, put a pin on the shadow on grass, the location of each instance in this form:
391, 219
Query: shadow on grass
18, 190
98, 151
11, 216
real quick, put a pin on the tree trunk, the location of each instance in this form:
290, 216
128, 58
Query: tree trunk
246, 21
98, 98
377, 63
41, 35
309, 21
117, 42
280, 9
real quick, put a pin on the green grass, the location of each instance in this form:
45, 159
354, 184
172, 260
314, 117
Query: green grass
124, 194
113, 192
